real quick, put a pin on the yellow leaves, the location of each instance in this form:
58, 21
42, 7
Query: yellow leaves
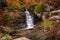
1, 34
13, 2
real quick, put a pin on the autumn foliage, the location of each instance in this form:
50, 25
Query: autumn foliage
13, 2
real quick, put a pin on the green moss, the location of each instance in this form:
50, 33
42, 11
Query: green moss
31, 8
40, 7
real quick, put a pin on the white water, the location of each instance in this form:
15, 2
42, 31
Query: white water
29, 20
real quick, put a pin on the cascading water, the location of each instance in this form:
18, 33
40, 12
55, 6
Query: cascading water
29, 20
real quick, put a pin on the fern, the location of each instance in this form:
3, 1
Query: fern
47, 23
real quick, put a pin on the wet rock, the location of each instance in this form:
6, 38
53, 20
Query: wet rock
22, 38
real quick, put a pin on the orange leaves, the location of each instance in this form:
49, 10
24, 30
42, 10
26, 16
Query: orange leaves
11, 2
31, 1
18, 3
27, 1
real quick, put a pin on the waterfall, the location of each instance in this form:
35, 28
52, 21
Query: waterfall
29, 20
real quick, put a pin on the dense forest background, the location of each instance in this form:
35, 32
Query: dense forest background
46, 19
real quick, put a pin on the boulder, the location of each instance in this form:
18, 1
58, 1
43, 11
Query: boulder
22, 38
